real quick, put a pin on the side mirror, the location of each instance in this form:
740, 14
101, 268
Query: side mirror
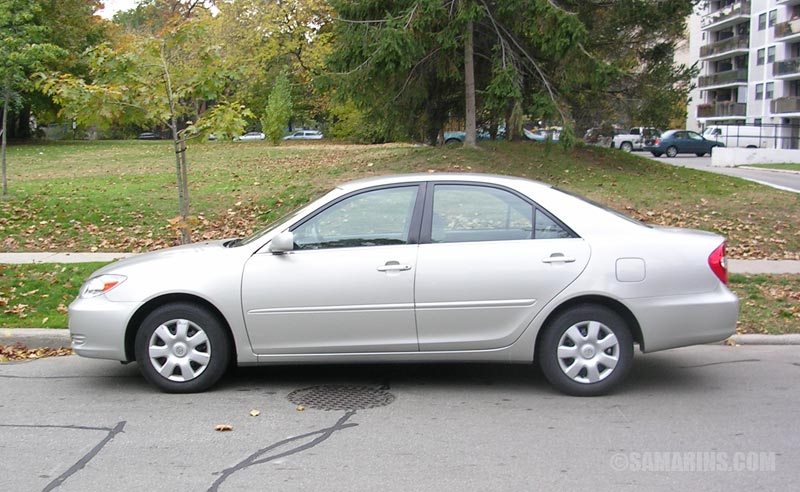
282, 243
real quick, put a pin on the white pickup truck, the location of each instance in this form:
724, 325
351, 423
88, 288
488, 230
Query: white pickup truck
635, 139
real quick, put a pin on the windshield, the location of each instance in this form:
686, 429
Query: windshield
604, 207
288, 216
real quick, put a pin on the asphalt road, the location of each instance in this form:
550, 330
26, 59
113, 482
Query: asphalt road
712, 417
781, 180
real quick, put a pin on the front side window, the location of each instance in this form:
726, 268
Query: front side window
373, 218
694, 136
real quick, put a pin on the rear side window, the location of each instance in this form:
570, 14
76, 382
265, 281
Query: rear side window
464, 213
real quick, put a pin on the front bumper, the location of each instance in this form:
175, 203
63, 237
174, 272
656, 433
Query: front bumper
97, 327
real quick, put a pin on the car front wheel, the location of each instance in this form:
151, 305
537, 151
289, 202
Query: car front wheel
586, 351
626, 147
182, 348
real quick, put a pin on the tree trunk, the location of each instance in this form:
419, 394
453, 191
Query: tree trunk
470, 139
179, 142
6, 97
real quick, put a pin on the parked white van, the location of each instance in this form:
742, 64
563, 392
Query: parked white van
750, 137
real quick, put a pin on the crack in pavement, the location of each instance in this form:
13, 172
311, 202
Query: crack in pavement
81, 463
719, 363
322, 435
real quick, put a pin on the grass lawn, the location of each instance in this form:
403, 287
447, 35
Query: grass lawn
769, 304
37, 296
785, 167
120, 196
33, 296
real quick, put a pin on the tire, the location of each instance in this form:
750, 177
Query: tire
626, 147
452, 142
583, 331
699, 154
656, 154
672, 151
182, 348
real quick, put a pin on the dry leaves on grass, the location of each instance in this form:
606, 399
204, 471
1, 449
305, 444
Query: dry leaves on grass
21, 352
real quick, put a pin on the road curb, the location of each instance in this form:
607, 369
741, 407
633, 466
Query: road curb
56, 338
35, 337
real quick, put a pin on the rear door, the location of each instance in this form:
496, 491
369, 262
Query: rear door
490, 260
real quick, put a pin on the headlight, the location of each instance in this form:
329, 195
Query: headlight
100, 285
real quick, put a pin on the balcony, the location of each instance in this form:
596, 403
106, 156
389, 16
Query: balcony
726, 16
725, 46
731, 77
786, 69
721, 109
787, 31
786, 105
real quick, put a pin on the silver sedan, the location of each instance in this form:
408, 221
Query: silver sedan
416, 268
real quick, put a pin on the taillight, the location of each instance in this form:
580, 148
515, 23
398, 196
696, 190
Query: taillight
719, 263
657, 141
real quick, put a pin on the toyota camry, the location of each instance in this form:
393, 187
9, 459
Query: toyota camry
416, 268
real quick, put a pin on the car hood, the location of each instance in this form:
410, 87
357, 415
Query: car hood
186, 252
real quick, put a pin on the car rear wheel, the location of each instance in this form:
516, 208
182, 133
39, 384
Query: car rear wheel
586, 351
626, 147
182, 348
656, 154
699, 154
672, 151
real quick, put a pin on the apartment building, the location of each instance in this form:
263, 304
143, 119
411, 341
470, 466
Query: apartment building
749, 59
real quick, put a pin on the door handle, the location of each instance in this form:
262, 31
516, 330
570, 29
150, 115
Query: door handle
394, 266
558, 258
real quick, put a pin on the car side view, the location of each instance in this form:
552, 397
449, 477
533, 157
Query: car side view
674, 142
416, 268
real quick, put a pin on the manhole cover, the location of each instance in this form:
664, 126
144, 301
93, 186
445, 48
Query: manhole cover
341, 397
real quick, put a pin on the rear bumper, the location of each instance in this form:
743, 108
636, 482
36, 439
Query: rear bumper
679, 321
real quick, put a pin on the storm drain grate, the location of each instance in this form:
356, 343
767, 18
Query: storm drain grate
341, 397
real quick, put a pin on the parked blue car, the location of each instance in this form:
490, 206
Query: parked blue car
674, 142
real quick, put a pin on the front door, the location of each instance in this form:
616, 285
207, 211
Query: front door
347, 287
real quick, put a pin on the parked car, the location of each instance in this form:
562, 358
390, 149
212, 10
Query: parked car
304, 135
251, 136
542, 135
149, 136
635, 138
674, 142
415, 268
456, 137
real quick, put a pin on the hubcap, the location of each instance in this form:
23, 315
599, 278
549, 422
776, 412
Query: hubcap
588, 352
179, 350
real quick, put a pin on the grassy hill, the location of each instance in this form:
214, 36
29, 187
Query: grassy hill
120, 196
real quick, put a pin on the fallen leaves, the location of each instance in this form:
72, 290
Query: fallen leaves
19, 351
254, 413
223, 428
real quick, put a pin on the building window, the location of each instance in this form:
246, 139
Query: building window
757, 122
762, 21
771, 54
759, 92
773, 17
760, 57
770, 90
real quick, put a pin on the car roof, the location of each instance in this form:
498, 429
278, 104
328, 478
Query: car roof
510, 181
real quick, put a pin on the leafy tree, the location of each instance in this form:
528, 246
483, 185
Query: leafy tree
165, 79
22, 49
551, 59
278, 111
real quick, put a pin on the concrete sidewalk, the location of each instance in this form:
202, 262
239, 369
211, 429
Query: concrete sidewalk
734, 266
